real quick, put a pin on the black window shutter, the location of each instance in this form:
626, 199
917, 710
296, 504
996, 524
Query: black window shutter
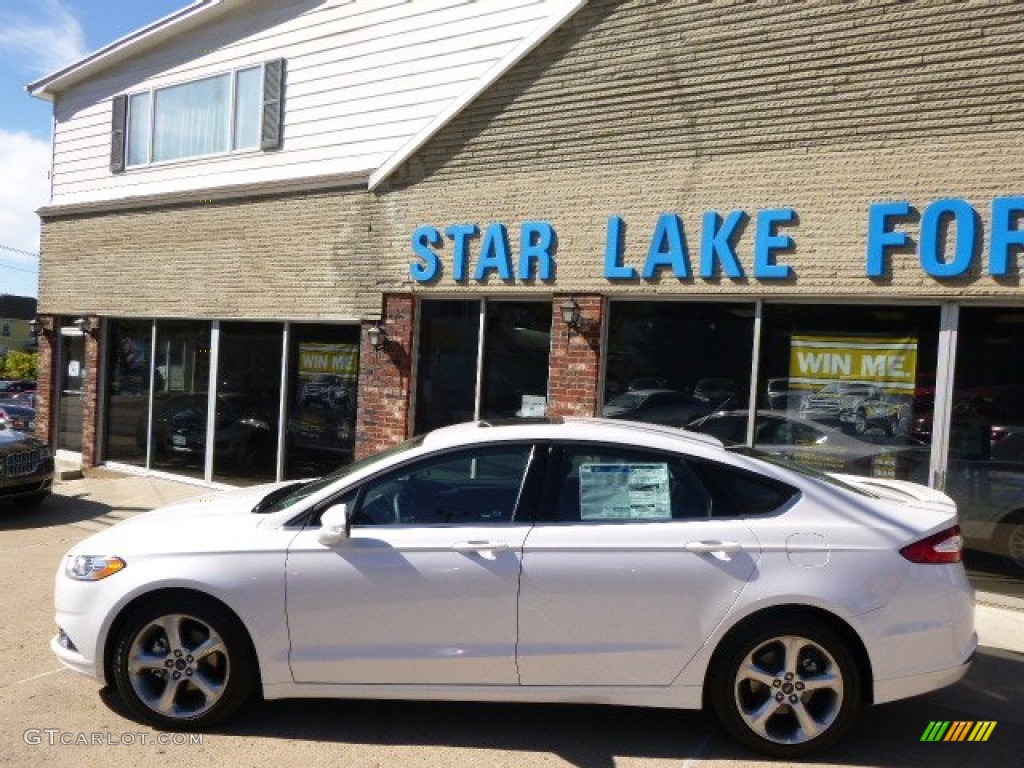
118, 131
273, 104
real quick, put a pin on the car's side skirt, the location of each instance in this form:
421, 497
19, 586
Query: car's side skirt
670, 697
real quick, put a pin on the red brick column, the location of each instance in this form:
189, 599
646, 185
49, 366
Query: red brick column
46, 376
575, 366
90, 405
385, 378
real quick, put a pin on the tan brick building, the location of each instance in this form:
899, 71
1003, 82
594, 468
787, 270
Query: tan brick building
807, 210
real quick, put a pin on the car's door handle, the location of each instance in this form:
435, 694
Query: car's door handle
715, 548
486, 549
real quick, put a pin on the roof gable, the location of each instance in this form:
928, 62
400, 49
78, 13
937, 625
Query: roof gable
368, 83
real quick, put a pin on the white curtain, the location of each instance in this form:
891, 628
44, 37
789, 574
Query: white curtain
192, 119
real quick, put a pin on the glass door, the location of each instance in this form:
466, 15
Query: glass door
72, 390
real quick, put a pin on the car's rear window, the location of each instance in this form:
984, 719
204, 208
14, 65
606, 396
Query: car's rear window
799, 468
739, 493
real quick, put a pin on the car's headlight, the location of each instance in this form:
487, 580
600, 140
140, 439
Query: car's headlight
93, 567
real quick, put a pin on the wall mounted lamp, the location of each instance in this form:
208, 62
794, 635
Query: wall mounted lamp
87, 325
377, 337
572, 316
40, 325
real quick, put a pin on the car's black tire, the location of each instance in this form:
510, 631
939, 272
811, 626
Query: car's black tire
860, 422
195, 680
803, 661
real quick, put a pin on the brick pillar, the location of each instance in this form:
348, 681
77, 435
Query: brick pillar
575, 366
385, 378
90, 405
46, 378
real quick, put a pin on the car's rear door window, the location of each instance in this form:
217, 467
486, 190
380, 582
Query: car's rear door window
608, 484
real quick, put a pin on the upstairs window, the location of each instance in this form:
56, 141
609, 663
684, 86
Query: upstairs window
238, 110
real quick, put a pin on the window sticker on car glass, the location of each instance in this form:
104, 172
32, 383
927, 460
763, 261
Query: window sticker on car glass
624, 492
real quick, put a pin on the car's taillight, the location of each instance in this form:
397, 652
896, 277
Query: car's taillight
943, 547
997, 433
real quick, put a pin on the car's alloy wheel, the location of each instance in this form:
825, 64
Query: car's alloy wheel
787, 689
1014, 543
183, 665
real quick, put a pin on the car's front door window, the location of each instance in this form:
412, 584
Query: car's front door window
469, 487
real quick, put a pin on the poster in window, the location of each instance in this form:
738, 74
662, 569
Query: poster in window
624, 492
863, 386
324, 408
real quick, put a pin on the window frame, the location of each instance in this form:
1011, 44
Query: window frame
232, 121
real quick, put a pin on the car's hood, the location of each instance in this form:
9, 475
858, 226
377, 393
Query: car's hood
13, 439
194, 524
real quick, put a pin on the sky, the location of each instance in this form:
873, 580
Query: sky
38, 37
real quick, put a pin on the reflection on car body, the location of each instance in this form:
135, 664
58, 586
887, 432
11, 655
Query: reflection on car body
17, 416
821, 446
244, 428
657, 406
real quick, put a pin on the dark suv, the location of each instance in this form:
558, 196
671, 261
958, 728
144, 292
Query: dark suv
26, 467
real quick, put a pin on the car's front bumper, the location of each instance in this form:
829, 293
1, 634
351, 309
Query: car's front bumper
37, 483
72, 658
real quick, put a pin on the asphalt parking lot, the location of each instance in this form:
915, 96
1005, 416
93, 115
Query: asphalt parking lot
55, 717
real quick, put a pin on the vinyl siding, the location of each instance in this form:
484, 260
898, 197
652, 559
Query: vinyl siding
363, 77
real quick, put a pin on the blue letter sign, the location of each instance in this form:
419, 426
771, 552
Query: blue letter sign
766, 242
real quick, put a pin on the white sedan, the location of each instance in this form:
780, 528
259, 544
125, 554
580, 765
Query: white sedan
588, 560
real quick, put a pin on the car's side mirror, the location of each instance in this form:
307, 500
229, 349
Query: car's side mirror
333, 525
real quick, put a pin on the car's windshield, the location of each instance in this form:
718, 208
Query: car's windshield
273, 502
795, 466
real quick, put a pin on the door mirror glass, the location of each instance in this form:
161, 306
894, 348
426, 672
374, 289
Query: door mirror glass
334, 525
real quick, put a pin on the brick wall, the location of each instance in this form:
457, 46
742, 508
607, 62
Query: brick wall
45, 378
292, 256
91, 401
575, 363
385, 378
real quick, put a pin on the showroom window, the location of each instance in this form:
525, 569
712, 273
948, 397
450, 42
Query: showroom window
323, 374
460, 379
181, 382
985, 473
158, 379
248, 402
129, 359
845, 391
675, 362
238, 110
